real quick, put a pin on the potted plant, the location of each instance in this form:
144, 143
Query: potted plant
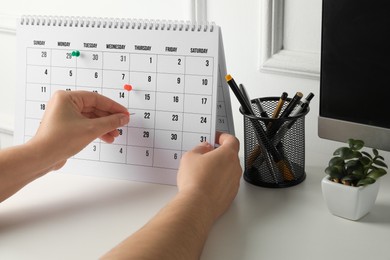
352, 182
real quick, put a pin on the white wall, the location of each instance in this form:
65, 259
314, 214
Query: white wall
241, 23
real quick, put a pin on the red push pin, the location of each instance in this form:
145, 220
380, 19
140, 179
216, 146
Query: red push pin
128, 87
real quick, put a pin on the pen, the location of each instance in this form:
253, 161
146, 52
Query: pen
304, 104
260, 133
291, 105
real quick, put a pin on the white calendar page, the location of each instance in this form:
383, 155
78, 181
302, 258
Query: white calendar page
178, 96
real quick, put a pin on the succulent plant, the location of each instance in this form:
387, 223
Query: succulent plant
353, 167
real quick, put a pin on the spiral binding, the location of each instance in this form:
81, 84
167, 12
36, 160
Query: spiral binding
124, 23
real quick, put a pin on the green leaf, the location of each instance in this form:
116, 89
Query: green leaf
367, 154
336, 161
344, 152
334, 171
375, 151
358, 173
355, 144
380, 163
377, 173
338, 151
357, 154
365, 161
353, 165
350, 178
365, 181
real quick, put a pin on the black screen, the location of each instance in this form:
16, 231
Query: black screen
355, 65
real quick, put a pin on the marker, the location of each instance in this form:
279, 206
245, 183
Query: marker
246, 96
246, 107
128, 87
75, 53
260, 134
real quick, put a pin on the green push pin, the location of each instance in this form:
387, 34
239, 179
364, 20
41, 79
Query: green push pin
75, 53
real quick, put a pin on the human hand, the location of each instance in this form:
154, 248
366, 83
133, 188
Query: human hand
74, 119
212, 173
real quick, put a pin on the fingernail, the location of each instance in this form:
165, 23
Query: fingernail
124, 119
206, 144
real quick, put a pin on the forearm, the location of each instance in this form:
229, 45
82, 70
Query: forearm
20, 165
178, 231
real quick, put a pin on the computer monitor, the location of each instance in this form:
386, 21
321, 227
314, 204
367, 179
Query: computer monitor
355, 72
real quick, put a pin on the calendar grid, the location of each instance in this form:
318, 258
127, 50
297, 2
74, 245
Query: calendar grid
69, 76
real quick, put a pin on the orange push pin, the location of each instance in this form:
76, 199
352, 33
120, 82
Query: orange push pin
128, 87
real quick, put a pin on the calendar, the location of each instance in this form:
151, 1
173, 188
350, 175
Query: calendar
168, 74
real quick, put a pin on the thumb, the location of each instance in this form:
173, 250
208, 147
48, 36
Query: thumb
202, 148
106, 124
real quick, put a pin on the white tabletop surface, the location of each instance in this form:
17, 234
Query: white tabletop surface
62, 216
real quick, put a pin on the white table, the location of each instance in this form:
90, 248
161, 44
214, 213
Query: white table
79, 217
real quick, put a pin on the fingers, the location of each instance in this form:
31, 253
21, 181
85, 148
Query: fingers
107, 115
90, 101
110, 136
227, 140
106, 126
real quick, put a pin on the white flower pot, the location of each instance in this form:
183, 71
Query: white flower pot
349, 202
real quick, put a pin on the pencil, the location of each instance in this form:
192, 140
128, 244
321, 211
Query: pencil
280, 104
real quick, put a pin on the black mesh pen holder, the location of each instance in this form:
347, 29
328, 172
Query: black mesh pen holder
274, 148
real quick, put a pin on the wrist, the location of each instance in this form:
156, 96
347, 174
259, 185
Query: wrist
40, 156
19, 165
201, 203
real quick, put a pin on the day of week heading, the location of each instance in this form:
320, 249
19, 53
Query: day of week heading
64, 44
198, 50
39, 42
90, 45
171, 49
142, 48
116, 46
